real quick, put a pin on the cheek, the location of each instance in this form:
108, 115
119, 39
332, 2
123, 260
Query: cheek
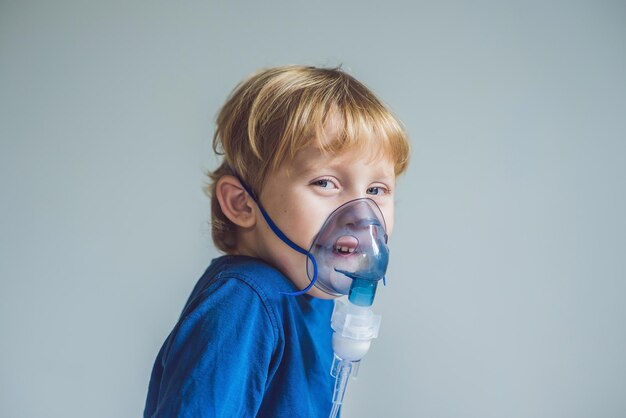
310, 228
302, 224
389, 220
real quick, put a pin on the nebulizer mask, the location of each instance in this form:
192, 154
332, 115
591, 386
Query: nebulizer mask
349, 256
351, 252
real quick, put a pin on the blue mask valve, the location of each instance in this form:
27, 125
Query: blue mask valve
362, 292
362, 289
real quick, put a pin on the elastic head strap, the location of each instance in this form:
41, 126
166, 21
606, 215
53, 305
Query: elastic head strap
282, 237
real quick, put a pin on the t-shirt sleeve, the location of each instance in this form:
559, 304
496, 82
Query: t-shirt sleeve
217, 360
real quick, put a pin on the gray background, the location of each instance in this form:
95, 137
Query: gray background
506, 290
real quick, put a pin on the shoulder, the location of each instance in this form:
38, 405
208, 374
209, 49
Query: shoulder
238, 286
226, 307
225, 341
262, 278
241, 266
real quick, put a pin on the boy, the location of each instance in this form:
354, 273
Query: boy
297, 143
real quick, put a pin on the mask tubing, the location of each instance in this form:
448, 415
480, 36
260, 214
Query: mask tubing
282, 237
306, 289
342, 370
293, 246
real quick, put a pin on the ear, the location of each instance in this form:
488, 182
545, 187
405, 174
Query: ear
235, 202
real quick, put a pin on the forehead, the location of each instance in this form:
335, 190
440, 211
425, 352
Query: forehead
355, 139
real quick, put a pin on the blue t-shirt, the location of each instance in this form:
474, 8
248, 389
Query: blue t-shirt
242, 349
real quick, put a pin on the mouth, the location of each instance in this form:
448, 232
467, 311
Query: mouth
346, 245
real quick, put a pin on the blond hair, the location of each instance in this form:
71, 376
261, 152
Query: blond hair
276, 112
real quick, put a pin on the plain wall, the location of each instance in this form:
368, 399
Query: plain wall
506, 288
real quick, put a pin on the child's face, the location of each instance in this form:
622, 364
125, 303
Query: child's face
300, 196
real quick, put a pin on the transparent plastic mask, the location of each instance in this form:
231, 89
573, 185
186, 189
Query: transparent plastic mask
351, 251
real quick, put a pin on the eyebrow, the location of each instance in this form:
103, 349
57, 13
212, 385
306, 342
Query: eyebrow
301, 166
307, 171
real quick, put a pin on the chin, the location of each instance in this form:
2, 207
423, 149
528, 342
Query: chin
320, 294
329, 261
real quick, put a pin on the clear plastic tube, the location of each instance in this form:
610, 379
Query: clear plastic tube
342, 370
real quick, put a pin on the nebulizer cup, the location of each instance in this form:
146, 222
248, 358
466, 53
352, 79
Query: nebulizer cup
349, 256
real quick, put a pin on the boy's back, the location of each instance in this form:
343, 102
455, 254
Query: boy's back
242, 349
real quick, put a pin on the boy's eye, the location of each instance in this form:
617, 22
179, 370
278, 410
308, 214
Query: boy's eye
376, 191
324, 183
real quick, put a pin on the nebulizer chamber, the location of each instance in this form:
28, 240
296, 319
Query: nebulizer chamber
351, 256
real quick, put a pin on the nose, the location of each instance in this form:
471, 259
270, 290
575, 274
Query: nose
361, 213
